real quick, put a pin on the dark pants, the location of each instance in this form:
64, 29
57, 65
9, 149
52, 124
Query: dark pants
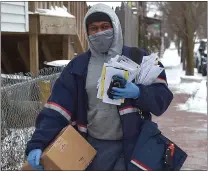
109, 155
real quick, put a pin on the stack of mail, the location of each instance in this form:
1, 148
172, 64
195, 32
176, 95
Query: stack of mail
145, 73
125, 63
149, 70
105, 80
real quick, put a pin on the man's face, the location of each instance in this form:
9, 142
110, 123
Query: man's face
98, 27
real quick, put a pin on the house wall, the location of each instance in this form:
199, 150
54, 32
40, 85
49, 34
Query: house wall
14, 16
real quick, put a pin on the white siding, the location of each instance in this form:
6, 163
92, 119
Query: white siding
14, 16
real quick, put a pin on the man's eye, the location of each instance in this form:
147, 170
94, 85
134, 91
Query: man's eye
106, 27
93, 28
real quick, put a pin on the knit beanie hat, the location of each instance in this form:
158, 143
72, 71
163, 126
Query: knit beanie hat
97, 17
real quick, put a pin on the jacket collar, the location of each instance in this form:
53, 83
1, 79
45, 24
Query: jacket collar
79, 64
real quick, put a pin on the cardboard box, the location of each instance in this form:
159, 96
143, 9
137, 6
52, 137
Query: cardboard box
69, 151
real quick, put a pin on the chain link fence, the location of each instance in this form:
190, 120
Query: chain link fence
22, 98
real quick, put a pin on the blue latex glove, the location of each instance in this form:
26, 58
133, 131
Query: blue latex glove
130, 91
34, 159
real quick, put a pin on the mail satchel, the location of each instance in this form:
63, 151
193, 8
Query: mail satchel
153, 150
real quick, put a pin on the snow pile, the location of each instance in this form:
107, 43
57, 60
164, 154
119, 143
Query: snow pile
111, 4
176, 75
187, 88
57, 63
173, 75
197, 103
196, 46
196, 77
191, 78
57, 11
170, 57
188, 84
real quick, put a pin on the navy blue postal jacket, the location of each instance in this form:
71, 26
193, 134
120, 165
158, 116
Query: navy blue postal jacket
68, 104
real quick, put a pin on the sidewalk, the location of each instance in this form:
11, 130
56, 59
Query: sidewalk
187, 129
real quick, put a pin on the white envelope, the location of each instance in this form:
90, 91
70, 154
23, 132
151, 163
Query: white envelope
152, 75
110, 71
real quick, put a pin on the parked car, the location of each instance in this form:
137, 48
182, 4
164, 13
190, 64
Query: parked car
196, 53
201, 55
204, 63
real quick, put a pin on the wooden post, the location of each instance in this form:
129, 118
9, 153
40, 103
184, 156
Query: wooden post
33, 39
49, 5
40, 5
32, 6
61, 4
23, 51
56, 3
5, 61
78, 44
46, 50
68, 49
72, 7
53, 4
45, 5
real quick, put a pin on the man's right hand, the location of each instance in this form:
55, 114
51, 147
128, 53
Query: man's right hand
34, 159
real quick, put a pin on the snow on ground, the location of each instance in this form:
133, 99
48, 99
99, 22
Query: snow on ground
187, 88
198, 102
188, 84
174, 72
192, 85
170, 57
173, 75
58, 63
183, 84
196, 77
171, 62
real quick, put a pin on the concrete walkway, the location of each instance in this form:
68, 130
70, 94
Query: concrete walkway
188, 130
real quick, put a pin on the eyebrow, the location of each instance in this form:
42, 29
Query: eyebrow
92, 25
101, 24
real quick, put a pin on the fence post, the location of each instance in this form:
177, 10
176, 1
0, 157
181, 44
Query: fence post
33, 39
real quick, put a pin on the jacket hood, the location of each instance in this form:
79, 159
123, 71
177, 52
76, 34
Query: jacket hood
117, 44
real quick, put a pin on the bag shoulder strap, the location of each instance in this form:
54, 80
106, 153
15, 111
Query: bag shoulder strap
136, 55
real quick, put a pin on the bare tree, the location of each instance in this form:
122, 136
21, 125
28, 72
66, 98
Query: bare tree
184, 18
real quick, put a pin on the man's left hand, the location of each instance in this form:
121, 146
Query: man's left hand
130, 91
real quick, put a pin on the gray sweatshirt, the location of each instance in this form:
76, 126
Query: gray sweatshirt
103, 119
